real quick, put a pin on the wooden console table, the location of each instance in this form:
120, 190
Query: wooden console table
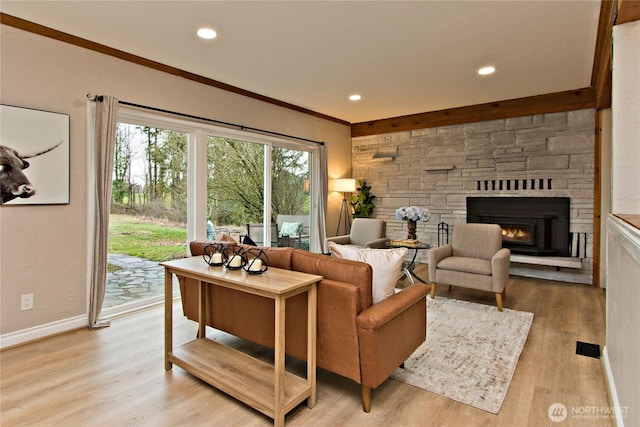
267, 388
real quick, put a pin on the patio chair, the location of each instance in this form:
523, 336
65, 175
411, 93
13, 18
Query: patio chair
212, 230
255, 232
293, 230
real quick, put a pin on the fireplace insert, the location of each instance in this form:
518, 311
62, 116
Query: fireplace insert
530, 225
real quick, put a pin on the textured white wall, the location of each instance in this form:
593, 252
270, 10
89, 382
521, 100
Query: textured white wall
626, 118
623, 240
605, 190
623, 316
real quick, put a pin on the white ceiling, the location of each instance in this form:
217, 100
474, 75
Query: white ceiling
402, 57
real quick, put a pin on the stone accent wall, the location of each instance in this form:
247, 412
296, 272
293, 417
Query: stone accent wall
437, 168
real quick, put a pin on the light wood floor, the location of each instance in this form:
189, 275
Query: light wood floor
115, 376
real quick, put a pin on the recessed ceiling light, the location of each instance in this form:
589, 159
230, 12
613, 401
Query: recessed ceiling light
484, 71
355, 97
207, 33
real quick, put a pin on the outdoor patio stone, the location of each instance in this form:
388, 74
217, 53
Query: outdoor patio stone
138, 279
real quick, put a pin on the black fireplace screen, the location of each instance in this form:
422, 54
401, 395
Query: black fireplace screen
530, 225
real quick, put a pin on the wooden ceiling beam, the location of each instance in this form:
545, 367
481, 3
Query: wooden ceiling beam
601, 73
628, 10
612, 12
541, 104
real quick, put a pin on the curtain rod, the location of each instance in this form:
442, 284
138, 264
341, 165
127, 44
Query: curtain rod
100, 98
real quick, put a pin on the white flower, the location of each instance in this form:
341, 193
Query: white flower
412, 213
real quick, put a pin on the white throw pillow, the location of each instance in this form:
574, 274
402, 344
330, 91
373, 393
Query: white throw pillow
386, 265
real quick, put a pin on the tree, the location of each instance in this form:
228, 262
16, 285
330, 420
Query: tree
174, 177
235, 181
121, 165
154, 159
235, 176
289, 172
236, 190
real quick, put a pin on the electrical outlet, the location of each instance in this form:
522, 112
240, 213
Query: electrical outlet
26, 302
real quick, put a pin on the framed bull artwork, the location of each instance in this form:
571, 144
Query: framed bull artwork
34, 157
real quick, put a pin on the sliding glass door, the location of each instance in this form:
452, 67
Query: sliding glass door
236, 188
176, 180
148, 218
290, 196
258, 192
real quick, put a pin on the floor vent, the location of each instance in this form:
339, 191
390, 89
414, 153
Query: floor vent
587, 349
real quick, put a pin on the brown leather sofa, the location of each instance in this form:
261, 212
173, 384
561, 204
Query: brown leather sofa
355, 339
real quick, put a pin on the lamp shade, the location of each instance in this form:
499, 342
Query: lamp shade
343, 185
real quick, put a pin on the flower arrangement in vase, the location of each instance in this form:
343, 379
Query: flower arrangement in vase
412, 214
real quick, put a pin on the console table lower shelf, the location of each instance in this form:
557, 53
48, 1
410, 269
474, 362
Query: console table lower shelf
268, 388
239, 375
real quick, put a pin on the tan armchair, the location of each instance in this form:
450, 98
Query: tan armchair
365, 233
475, 259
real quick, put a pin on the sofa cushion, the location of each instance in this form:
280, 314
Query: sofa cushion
351, 273
467, 265
386, 265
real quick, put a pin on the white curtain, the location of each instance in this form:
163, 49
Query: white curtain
319, 203
104, 144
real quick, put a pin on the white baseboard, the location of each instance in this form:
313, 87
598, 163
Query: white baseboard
30, 334
42, 331
611, 386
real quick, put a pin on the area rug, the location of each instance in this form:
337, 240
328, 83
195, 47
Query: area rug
470, 353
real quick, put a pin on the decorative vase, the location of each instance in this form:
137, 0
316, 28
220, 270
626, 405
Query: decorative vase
411, 228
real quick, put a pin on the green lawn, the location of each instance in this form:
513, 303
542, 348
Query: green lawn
148, 239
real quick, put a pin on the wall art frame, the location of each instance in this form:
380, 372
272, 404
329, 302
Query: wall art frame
34, 157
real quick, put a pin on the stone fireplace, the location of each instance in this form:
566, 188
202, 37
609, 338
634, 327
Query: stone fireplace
439, 168
530, 225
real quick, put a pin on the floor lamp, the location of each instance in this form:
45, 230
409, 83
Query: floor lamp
346, 185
